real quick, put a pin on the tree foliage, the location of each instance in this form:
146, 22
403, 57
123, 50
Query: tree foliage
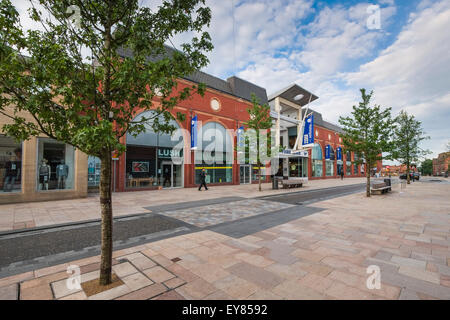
75, 83
259, 122
408, 134
367, 133
82, 82
426, 167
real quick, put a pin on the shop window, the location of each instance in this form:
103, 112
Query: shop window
298, 167
214, 153
94, 165
329, 161
348, 163
255, 173
10, 165
55, 166
150, 156
317, 162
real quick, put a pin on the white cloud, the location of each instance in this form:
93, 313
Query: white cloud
413, 73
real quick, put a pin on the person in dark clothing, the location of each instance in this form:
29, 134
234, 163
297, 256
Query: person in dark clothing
342, 174
202, 180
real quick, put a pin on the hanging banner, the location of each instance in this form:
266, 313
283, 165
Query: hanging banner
194, 133
339, 153
327, 152
308, 131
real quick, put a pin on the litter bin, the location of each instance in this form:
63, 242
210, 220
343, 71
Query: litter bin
388, 182
274, 182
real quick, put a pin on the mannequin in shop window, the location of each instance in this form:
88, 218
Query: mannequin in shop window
12, 172
62, 171
44, 175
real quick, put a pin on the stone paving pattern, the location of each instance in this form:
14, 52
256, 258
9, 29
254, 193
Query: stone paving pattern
209, 215
37, 214
320, 256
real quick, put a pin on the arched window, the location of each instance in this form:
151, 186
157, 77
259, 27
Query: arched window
154, 158
316, 158
214, 153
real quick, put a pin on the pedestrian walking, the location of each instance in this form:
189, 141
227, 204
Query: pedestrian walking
342, 174
202, 180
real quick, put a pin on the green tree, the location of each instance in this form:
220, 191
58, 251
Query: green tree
426, 167
367, 132
81, 91
259, 122
408, 134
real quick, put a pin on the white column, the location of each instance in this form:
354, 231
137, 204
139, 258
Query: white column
277, 125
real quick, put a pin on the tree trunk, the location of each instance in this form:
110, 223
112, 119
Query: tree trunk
107, 219
368, 181
408, 178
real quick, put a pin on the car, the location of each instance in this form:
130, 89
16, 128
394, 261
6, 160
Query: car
412, 175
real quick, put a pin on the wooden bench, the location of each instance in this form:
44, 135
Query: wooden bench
291, 184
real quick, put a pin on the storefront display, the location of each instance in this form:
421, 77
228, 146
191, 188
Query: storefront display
215, 154
329, 161
150, 158
10, 165
348, 163
317, 162
298, 167
94, 165
55, 165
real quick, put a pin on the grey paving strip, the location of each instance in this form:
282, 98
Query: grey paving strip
28, 246
247, 226
67, 226
68, 256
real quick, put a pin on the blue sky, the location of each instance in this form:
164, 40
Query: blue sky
327, 48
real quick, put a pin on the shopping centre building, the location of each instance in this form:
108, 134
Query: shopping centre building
324, 156
45, 169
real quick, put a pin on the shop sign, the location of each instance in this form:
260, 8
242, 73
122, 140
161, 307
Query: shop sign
194, 129
168, 153
308, 130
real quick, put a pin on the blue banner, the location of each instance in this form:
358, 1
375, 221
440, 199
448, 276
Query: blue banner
327, 152
308, 130
194, 133
339, 153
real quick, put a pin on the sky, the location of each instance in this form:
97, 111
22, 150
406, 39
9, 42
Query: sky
334, 48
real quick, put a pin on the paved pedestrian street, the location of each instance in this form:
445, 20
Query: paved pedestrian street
323, 255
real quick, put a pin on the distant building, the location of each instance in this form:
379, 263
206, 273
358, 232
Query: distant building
440, 164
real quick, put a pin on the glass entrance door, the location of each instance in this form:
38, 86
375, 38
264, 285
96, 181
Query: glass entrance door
244, 174
171, 175
166, 175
